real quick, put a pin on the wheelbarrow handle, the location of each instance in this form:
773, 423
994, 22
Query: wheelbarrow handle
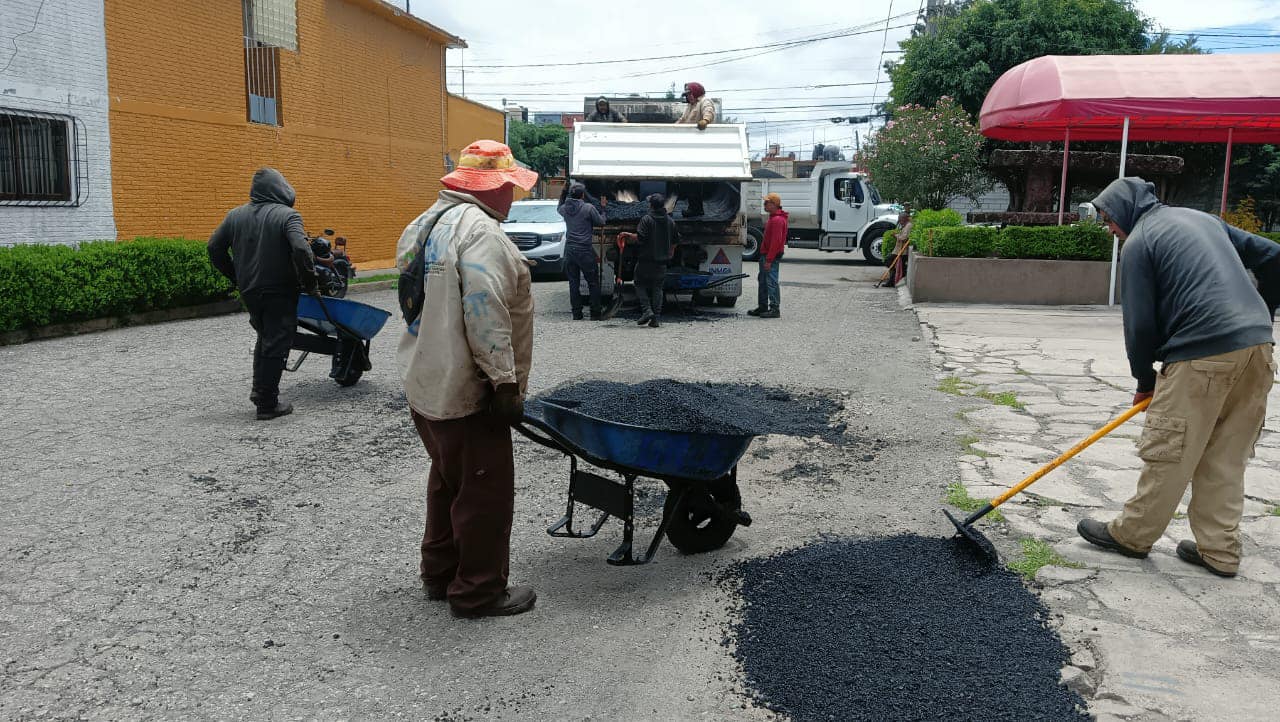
526, 426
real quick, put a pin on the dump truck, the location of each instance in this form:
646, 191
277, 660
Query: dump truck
835, 209
700, 173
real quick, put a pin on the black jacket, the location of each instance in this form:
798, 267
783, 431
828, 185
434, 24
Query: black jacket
657, 235
261, 245
1185, 290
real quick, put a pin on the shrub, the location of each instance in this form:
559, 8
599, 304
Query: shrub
964, 242
1081, 242
44, 284
1273, 236
925, 220
1245, 216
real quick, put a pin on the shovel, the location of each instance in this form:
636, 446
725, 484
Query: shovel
971, 538
615, 302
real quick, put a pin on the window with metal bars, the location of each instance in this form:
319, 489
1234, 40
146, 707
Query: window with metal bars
38, 159
269, 26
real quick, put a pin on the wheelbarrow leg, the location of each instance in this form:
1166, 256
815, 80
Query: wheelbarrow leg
564, 527
302, 356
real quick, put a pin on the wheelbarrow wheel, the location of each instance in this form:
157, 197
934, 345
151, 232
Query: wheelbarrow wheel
350, 378
698, 523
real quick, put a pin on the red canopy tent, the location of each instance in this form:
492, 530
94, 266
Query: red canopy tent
1187, 98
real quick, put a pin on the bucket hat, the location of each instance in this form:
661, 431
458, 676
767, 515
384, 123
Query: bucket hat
487, 165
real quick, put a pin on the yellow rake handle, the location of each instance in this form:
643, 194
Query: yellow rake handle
1137, 409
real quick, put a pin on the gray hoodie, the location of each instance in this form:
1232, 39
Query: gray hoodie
580, 218
261, 245
1185, 290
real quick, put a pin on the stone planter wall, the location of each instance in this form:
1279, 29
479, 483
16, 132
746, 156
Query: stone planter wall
1008, 281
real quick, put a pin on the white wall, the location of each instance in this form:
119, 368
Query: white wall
59, 66
995, 200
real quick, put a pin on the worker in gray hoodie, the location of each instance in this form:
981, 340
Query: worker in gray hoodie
1189, 303
262, 248
580, 220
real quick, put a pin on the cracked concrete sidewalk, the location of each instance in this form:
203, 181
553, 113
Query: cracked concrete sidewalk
1152, 639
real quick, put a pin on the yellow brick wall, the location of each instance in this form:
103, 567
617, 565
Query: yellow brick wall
362, 134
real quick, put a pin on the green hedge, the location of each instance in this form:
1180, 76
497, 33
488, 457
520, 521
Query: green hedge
925, 221
1273, 236
963, 242
1081, 242
44, 284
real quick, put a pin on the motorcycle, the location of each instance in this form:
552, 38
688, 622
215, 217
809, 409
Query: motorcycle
334, 269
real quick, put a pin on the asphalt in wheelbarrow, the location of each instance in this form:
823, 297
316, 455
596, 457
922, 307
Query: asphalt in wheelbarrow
901, 628
706, 408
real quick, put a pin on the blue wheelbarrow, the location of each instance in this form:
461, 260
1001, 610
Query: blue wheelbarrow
703, 505
340, 328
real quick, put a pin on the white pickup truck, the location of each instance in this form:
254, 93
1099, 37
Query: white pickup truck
626, 162
835, 209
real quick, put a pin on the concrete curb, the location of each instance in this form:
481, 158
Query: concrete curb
358, 288
94, 325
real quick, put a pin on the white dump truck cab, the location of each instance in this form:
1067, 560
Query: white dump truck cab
834, 209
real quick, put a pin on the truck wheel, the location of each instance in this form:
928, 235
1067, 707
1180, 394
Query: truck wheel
751, 244
702, 299
697, 522
872, 243
727, 301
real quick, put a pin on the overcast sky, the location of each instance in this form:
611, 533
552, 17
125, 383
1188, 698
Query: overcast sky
770, 88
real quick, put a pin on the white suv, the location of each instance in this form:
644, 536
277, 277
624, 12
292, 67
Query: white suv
538, 231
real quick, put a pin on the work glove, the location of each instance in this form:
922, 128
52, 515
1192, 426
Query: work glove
507, 404
1141, 396
702, 125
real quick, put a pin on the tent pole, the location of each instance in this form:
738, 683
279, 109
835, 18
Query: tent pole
1226, 171
1062, 193
1115, 240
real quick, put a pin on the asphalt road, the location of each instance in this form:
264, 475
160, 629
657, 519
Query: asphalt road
164, 555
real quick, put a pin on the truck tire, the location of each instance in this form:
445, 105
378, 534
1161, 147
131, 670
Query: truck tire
727, 301
702, 299
751, 244
872, 241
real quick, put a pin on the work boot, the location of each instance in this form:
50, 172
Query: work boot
436, 591
1096, 533
279, 408
645, 318
757, 311
1190, 553
771, 313
515, 600
596, 311
653, 322
577, 314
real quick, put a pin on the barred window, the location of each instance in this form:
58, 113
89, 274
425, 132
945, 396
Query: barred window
269, 26
272, 23
42, 159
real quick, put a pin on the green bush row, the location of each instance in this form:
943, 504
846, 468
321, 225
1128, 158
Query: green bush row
1080, 242
926, 220
44, 284
1273, 236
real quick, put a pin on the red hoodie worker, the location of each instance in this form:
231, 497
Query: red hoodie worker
768, 304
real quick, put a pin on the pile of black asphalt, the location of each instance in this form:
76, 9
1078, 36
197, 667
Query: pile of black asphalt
901, 628
707, 408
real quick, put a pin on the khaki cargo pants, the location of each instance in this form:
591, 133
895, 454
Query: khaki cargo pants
1202, 424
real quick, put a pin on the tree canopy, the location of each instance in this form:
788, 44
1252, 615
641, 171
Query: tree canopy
544, 148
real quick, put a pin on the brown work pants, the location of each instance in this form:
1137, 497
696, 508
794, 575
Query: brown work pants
470, 499
1201, 427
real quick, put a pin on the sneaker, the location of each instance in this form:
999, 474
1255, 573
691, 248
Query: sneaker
577, 315
596, 313
653, 322
645, 318
771, 313
1190, 553
282, 408
515, 600
1096, 533
757, 311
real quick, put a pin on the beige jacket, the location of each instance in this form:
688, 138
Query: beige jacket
704, 109
476, 327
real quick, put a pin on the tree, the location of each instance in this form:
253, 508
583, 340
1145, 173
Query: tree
1162, 44
1255, 173
973, 47
544, 148
926, 157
